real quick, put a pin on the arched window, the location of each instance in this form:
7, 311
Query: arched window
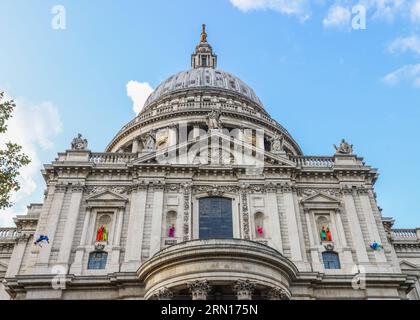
171, 224
97, 260
259, 225
331, 260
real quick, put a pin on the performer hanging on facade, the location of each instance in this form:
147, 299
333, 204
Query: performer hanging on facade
323, 234
171, 232
41, 239
102, 234
260, 231
328, 234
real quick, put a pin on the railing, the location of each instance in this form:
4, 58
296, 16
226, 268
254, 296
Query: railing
405, 234
169, 108
317, 162
111, 157
8, 233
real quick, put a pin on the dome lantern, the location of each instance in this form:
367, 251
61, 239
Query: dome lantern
203, 57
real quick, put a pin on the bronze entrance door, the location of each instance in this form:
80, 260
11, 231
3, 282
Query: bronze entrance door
215, 218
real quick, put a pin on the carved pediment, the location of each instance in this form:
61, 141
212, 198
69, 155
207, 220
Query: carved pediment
320, 200
409, 266
3, 267
189, 153
106, 199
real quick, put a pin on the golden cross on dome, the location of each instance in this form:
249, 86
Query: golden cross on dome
204, 34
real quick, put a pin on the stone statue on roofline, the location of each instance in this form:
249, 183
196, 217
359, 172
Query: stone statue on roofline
277, 142
344, 148
150, 140
213, 119
79, 143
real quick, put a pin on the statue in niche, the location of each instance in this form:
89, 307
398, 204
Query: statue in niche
213, 120
79, 143
277, 143
102, 234
344, 148
150, 140
171, 231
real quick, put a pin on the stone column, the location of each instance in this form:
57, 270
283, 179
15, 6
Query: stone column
135, 228
157, 215
70, 227
313, 243
196, 131
199, 289
244, 289
76, 267
163, 294
172, 139
273, 213
346, 256
260, 138
371, 223
278, 294
50, 228
356, 231
292, 226
114, 264
15, 261
135, 147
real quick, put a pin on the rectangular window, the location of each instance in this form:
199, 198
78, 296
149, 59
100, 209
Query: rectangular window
331, 260
97, 260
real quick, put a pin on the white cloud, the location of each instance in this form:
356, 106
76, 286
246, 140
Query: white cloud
415, 11
337, 16
33, 126
404, 44
289, 7
385, 9
138, 92
409, 73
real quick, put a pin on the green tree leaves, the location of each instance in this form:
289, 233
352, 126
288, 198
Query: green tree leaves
12, 159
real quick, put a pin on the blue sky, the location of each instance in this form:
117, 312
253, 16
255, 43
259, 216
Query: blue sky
319, 77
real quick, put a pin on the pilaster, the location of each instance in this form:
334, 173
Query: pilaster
135, 228
70, 227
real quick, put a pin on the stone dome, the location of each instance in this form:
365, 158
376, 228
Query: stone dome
203, 78
191, 97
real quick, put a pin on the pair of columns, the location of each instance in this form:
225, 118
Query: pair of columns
243, 289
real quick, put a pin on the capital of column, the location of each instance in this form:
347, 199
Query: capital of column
163, 294
278, 294
244, 289
199, 289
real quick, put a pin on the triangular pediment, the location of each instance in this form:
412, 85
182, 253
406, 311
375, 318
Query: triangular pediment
107, 195
406, 265
320, 198
173, 154
3, 267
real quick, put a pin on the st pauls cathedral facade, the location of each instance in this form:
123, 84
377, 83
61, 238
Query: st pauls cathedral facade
205, 196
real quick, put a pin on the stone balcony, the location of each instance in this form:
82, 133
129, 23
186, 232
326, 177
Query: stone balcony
217, 263
406, 235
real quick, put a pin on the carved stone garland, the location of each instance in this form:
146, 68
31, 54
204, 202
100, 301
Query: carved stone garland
187, 204
245, 212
